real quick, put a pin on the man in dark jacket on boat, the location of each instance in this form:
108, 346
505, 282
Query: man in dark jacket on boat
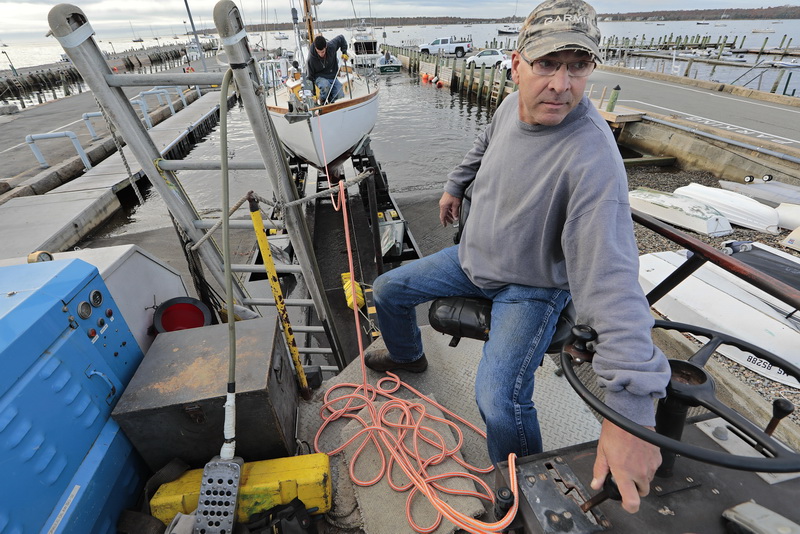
323, 66
549, 222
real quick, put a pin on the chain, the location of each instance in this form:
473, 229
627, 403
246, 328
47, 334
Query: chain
117, 143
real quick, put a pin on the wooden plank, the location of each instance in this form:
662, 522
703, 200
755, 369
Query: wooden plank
446, 75
661, 161
427, 68
621, 114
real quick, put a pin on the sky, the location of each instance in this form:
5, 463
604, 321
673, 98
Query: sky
27, 21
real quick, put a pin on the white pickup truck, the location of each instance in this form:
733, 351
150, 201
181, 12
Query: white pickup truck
447, 45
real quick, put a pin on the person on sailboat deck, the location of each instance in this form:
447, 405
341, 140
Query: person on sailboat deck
549, 222
323, 66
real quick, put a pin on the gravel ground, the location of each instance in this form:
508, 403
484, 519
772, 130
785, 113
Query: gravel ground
668, 180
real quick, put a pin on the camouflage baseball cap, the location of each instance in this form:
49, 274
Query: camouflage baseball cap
556, 25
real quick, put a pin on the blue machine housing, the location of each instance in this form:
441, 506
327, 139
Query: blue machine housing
66, 354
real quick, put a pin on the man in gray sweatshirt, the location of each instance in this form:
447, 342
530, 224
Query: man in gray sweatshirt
549, 221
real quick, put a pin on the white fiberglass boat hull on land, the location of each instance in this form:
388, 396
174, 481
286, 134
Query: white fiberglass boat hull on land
721, 301
788, 215
739, 209
770, 193
680, 211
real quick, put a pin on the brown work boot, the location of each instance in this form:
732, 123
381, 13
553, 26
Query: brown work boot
380, 360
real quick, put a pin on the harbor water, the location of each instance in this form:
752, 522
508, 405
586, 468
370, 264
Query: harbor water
773, 36
421, 134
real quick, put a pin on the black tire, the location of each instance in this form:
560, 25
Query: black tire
497, 65
749, 179
459, 52
767, 177
508, 74
424, 51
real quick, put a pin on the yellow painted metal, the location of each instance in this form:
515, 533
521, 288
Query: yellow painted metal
348, 291
277, 293
264, 484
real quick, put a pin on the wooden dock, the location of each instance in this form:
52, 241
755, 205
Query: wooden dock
487, 85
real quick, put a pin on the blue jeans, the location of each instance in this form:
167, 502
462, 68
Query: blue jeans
329, 86
524, 320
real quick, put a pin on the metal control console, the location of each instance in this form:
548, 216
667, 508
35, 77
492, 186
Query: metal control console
66, 354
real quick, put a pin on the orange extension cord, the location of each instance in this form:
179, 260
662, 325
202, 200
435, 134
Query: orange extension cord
395, 421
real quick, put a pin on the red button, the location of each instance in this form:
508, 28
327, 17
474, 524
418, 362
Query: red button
92, 333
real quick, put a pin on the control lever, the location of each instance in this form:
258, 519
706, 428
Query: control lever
609, 491
579, 348
780, 409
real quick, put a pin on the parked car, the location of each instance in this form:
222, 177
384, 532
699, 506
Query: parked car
506, 64
447, 45
490, 57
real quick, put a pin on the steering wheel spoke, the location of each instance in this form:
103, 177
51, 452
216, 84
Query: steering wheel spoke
692, 385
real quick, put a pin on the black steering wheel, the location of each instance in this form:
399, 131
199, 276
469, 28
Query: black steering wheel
694, 386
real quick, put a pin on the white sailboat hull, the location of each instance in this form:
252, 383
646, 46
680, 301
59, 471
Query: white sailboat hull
739, 209
680, 211
715, 299
326, 136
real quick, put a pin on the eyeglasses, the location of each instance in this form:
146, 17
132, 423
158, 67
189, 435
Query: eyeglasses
549, 67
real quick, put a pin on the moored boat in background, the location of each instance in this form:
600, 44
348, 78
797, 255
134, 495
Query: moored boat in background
388, 64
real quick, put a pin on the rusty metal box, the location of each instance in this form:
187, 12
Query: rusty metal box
173, 406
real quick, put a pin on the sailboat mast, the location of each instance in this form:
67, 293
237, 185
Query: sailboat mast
309, 20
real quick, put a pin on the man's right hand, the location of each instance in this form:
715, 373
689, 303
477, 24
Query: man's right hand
449, 207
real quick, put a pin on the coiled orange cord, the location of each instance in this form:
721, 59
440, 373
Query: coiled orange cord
399, 421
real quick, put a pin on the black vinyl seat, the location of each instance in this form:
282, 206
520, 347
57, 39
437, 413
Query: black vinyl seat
471, 317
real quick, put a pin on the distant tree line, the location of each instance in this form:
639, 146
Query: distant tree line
780, 12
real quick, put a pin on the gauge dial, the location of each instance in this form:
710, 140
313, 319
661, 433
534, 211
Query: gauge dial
96, 298
39, 255
84, 310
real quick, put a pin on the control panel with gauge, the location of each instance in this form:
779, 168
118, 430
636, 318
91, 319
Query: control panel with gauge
67, 355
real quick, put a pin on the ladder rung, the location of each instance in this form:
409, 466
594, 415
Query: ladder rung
309, 329
238, 224
270, 302
234, 165
314, 350
250, 268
